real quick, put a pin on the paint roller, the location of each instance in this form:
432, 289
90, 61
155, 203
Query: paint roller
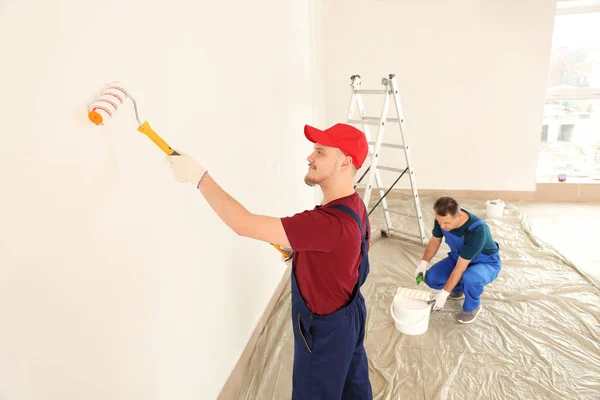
107, 104
416, 294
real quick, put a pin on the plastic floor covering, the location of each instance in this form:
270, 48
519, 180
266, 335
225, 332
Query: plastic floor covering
537, 337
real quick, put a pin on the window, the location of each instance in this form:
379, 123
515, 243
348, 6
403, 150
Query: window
571, 128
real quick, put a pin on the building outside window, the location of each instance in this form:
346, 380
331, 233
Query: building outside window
571, 126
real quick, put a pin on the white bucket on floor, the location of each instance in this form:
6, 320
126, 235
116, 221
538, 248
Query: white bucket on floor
410, 311
494, 208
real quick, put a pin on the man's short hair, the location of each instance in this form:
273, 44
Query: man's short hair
446, 205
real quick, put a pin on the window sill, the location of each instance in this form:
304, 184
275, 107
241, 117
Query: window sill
570, 179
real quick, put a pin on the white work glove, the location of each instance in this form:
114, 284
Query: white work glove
439, 300
421, 269
186, 169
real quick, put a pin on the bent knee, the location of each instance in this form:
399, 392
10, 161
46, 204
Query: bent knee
472, 278
434, 280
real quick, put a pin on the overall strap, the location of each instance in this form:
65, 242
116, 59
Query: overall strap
353, 214
473, 226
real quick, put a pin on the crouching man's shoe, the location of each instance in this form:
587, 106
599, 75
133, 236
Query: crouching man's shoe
467, 317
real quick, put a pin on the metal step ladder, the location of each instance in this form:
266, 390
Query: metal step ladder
389, 91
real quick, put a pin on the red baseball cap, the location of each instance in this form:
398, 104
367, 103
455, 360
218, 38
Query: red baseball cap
350, 140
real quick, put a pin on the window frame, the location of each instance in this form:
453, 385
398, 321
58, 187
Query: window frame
566, 7
571, 7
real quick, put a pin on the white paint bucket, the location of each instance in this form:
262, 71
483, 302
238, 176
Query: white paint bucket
494, 208
410, 314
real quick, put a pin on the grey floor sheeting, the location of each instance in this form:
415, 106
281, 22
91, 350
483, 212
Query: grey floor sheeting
538, 336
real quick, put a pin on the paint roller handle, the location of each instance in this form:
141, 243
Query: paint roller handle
419, 278
148, 131
420, 271
287, 255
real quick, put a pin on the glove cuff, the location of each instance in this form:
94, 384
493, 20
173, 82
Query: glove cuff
424, 264
201, 177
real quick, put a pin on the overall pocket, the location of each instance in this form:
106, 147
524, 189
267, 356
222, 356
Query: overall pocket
307, 337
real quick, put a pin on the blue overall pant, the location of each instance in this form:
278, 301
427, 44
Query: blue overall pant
482, 270
330, 361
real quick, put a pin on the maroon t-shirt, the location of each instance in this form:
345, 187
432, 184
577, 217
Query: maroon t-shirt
326, 244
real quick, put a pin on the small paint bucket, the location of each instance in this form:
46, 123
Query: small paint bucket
562, 177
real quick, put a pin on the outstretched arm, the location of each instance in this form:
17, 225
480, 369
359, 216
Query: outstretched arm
237, 217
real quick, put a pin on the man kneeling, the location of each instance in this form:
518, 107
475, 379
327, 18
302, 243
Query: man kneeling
472, 263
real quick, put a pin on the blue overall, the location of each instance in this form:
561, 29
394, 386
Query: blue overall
330, 361
482, 270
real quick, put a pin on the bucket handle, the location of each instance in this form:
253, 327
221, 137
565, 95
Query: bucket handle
396, 321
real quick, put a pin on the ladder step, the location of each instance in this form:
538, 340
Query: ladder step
371, 120
408, 194
379, 119
400, 233
393, 146
367, 91
363, 122
374, 176
401, 213
390, 169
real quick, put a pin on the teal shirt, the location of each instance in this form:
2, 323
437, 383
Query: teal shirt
477, 241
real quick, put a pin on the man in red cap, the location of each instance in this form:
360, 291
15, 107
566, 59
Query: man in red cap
330, 246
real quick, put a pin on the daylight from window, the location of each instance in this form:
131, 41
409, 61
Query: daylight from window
570, 148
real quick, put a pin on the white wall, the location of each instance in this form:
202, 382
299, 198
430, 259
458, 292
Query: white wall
116, 282
472, 76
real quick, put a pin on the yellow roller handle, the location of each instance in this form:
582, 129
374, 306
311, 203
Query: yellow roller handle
148, 131
283, 252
